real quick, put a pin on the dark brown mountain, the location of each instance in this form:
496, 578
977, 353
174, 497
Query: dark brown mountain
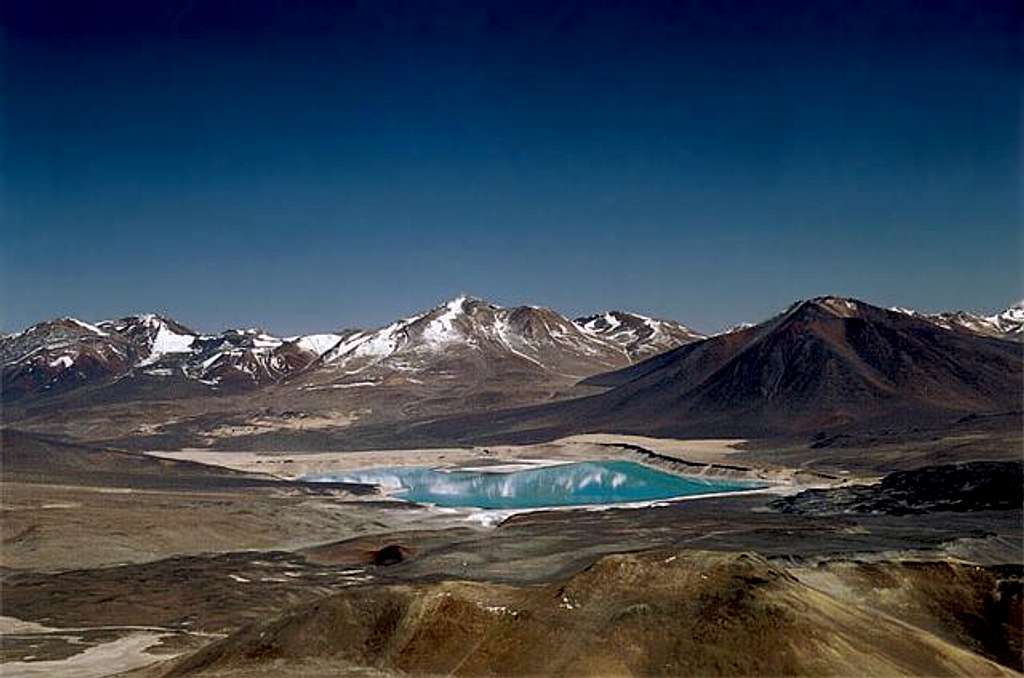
825, 363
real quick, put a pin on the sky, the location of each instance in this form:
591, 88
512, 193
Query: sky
305, 166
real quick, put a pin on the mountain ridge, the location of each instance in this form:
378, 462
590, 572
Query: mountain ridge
44, 358
469, 371
1007, 324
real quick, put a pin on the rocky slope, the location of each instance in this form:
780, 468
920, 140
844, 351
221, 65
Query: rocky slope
971, 486
656, 613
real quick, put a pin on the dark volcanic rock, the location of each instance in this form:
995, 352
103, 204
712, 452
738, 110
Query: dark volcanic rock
973, 486
392, 554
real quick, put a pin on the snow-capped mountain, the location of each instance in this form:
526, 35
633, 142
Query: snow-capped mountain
639, 336
61, 354
251, 356
467, 333
1008, 324
152, 336
242, 357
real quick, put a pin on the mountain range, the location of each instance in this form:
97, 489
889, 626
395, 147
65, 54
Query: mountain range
66, 353
1008, 324
823, 367
455, 340
822, 364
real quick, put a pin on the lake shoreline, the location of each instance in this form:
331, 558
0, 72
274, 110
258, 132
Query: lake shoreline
689, 458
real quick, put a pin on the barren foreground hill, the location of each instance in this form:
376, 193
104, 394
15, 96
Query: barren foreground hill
665, 613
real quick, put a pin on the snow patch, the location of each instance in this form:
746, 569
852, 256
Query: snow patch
319, 343
91, 328
64, 362
168, 341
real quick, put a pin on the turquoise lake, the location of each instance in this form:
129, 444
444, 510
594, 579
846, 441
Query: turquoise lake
597, 482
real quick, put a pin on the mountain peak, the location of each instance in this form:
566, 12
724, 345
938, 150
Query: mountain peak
472, 332
138, 324
455, 303
830, 306
638, 335
842, 307
1013, 311
462, 299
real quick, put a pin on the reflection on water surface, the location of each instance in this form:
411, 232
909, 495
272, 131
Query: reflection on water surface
597, 482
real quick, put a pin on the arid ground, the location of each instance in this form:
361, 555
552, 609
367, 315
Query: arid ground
220, 563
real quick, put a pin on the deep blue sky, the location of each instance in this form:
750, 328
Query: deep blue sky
310, 165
